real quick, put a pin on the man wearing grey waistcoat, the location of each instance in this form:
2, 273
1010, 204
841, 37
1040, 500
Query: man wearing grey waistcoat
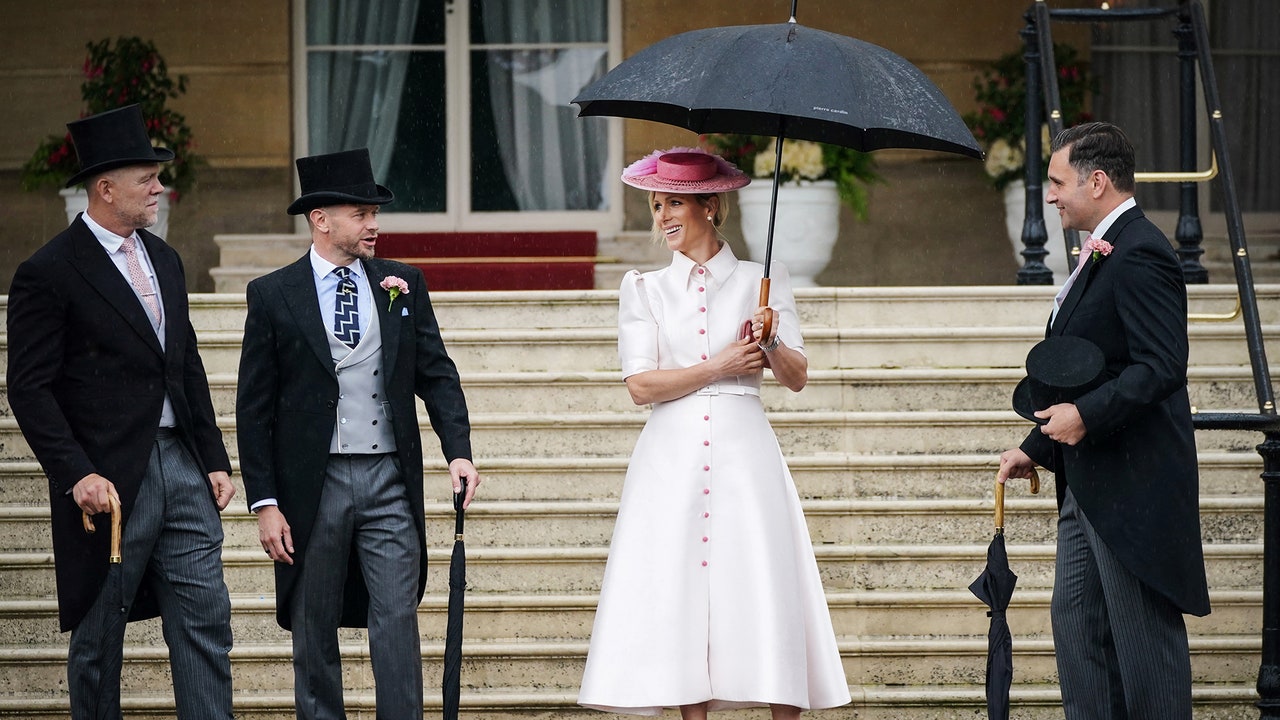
336, 346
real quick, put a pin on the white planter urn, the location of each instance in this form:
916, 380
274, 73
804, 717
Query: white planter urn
77, 201
806, 227
1015, 211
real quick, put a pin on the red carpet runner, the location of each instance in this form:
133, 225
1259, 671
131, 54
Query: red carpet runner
497, 260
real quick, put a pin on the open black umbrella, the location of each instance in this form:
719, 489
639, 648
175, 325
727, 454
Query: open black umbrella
784, 80
452, 681
995, 588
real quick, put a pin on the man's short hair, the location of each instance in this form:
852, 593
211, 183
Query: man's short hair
1099, 146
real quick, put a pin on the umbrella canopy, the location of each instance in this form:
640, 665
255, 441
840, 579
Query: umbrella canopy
452, 680
995, 588
784, 80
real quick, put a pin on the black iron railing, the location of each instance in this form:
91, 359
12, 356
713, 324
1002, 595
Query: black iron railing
1043, 105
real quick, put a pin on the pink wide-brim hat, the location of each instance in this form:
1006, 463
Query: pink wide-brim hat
684, 170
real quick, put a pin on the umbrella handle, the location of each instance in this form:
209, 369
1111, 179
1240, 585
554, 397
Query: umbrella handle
768, 317
116, 518
1035, 489
457, 507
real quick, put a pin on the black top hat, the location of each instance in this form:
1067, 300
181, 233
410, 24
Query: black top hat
1059, 369
113, 139
341, 178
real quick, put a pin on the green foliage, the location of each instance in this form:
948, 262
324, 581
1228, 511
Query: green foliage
802, 160
132, 71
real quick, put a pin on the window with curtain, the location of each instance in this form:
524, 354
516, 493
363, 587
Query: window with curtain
1138, 67
378, 74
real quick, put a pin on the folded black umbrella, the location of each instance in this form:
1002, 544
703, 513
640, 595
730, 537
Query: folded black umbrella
452, 682
112, 588
995, 588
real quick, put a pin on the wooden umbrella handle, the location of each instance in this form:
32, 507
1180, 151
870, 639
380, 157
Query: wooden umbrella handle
116, 514
768, 317
1035, 489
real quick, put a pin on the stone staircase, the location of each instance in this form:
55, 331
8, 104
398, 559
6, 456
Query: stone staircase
893, 448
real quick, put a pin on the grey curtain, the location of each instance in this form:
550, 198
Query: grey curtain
353, 95
1138, 68
552, 160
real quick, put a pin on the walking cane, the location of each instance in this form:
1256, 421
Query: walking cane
115, 558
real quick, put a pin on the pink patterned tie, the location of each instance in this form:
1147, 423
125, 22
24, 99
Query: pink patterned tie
141, 284
1066, 287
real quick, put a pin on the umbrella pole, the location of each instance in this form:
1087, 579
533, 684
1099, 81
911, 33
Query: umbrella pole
767, 329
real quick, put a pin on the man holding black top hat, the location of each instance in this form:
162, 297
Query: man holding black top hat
336, 346
107, 385
1109, 387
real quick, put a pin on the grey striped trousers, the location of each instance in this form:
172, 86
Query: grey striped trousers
1121, 647
173, 542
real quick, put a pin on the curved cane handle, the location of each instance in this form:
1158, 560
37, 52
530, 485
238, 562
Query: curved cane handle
1035, 489
116, 514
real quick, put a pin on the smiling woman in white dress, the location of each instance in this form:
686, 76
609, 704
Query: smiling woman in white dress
711, 597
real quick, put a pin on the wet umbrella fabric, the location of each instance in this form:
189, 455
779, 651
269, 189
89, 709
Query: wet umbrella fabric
784, 80
767, 79
995, 588
452, 681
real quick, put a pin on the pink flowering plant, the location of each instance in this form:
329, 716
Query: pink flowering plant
396, 286
1099, 247
999, 122
128, 72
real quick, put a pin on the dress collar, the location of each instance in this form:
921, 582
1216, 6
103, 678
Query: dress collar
719, 267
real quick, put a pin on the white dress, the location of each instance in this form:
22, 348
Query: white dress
711, 592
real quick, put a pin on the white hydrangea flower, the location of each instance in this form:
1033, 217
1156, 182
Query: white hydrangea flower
1002, 158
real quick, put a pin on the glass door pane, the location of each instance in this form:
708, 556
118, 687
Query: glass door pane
376, 79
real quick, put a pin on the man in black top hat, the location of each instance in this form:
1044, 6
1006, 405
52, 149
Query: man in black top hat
107, 385
336, 346
1129, 560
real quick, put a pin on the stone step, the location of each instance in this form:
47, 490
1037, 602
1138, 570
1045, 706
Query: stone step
530, 666
799, 433
512, 617
595, 350
579, 569
1213, 701
826, 475
818, 307
860, 389
496, 524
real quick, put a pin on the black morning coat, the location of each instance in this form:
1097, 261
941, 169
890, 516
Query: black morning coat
288, 394
87, 379
1134, 474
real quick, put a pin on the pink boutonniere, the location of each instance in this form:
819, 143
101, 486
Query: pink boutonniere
396, 286
1100, 248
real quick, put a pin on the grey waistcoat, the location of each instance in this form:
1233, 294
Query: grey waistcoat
364, 415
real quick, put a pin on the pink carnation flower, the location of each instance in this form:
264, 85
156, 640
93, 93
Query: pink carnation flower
395, 286
1099, 248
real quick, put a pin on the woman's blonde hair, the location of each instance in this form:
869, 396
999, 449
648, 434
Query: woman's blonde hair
704, 199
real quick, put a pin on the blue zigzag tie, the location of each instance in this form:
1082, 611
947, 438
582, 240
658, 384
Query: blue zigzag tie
346, 313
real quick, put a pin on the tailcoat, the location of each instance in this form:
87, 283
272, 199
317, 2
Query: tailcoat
288, 396
87, 379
